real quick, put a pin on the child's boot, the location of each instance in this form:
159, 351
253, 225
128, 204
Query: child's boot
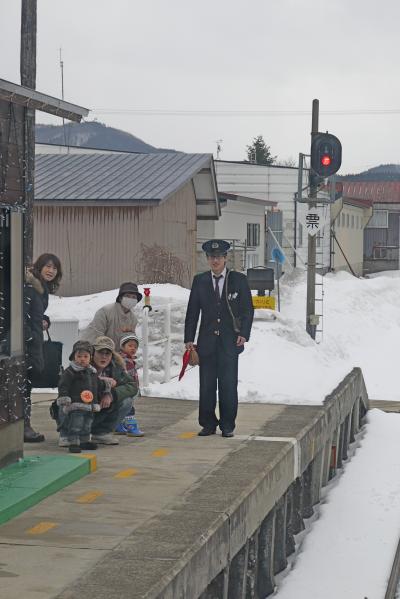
132, 427
121, 428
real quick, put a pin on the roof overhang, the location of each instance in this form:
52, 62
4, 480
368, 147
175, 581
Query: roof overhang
225, 196
30, 98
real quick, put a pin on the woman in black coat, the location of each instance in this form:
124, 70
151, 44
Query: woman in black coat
43, 278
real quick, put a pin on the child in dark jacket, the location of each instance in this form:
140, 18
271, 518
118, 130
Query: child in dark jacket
79, 394
129, 344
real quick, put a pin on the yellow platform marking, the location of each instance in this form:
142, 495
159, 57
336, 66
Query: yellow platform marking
41, 528
188, 435
89, 497
160, 453
126, 473
93, 460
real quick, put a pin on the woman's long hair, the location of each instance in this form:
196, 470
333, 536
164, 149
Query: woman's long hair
40, 262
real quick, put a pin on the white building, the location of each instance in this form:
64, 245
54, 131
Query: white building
242, 222
277, 184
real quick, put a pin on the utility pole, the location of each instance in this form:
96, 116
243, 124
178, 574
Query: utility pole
311, 318
28, 79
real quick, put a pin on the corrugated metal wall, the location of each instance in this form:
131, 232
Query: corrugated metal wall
101, 247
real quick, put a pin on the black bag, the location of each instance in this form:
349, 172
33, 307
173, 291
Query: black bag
52, 354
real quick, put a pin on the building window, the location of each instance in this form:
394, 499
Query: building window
5, 281
347, 221
300, 236
343, 219
379, 220
253, 234
352, 221
252, 261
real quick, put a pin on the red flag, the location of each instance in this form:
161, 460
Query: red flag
185, 362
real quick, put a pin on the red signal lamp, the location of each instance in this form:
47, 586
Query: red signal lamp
326, 160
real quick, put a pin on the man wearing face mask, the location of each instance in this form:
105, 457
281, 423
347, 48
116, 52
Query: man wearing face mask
114, 320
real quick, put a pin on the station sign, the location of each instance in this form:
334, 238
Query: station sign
264, 301
314, 220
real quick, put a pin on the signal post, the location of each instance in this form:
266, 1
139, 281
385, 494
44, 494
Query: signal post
326, 158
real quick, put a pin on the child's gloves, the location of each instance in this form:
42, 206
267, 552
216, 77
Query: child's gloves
96, 407
63, 401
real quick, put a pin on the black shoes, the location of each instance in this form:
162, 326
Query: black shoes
205, 432
88, 445
31, 436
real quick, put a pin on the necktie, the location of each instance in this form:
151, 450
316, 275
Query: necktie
217, 293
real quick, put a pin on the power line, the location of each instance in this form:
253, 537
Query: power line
245, 113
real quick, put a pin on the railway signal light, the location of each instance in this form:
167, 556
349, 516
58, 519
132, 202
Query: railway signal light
326, 154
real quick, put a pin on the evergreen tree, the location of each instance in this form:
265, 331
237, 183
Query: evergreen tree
259, 153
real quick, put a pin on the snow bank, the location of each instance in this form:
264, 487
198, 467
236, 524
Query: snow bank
281, 363
352, 546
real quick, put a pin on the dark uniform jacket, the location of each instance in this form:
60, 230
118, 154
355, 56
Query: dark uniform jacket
36, 302
73, 382
202, 298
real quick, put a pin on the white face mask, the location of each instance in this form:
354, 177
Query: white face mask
128, 302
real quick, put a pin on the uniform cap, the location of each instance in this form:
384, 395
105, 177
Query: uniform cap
216, 247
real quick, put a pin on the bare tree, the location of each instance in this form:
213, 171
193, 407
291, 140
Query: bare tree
158, 265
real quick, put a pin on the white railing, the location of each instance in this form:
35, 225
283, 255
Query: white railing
164, 338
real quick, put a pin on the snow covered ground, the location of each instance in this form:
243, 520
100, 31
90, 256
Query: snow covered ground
281, 363
354, 539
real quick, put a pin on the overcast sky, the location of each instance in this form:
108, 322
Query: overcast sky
224, 55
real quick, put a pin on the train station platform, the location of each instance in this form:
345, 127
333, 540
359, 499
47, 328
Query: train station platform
176, 515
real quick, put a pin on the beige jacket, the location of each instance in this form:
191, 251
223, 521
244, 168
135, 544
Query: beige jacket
112, 321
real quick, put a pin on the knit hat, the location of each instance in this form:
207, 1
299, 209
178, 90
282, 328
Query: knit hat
128, 337
128, 288
81, 346
103, 342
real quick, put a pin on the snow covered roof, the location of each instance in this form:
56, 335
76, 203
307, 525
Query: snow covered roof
133, 178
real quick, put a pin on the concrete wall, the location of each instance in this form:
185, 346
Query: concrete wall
99, 247
235, 530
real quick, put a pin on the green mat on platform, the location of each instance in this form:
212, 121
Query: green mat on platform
32, 479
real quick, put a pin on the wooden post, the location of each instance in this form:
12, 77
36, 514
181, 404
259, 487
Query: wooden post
28, 79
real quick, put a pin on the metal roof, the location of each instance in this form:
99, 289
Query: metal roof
115, 177
19, 94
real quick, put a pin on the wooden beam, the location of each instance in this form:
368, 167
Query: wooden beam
28, 79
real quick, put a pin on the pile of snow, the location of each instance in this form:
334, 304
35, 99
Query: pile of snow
281, 363
353, 543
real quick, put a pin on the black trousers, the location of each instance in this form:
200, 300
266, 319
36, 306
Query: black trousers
218, 370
